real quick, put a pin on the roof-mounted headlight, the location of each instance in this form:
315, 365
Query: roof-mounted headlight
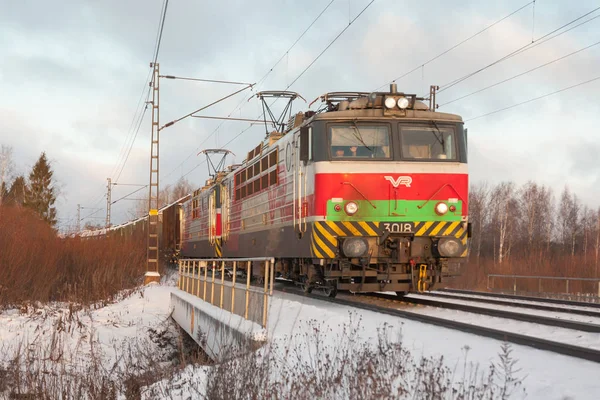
390, 102
403, 103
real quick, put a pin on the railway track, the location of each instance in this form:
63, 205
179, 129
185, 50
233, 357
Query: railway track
502, 302
537, 319
512, 337
526, 298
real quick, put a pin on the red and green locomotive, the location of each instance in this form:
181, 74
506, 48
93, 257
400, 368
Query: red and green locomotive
367, 194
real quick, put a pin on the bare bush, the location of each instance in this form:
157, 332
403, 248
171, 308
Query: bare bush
325, 363
53, 369
38, 266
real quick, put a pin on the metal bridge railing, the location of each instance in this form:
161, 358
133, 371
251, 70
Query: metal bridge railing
206, 279
581, 288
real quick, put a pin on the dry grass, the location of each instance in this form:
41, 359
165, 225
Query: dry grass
53, 370
321, 363
474, 275
38, 266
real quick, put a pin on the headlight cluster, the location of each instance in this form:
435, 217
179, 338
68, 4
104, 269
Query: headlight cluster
401, 102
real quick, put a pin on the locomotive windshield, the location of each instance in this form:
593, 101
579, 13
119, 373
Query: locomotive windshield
359, 141
424, 143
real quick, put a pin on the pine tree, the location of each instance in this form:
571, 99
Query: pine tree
40, 195
16, 193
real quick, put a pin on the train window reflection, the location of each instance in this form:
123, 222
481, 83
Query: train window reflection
359, 141
428, 144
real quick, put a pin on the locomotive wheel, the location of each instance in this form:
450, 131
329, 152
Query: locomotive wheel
306, 286
401, 294
330, 291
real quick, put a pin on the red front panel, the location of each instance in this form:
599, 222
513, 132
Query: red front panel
379, 186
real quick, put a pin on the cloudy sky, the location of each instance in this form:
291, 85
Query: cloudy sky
72, 73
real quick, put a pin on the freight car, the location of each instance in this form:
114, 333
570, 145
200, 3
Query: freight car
367, 194
169, 232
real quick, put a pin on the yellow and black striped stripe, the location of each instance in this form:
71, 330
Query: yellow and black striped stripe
324, 243
442, 228
218, 248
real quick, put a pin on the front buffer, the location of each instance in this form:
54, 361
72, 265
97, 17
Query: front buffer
407, 256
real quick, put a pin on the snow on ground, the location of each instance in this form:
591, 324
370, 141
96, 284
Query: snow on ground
547, 375
576, 338
54, 339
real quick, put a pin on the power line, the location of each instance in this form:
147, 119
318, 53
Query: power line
127, 195
158, 41
139, 125
534, 99
458, 44
522, 49
521, 74
330, 44
204, 161
296, 42
205, 107
298, 77
260, 81
205, 80
133, 131
160, 32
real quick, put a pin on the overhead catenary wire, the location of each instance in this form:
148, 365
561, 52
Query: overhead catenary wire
139, 125
204, 107
534, 99
132, 127
521, 74
160, 31
135, 127
258, 83
548, 36
300, 75
182, 78
330, 44
458, 44
129, 194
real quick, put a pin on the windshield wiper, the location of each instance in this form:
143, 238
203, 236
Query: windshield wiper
440, 138
359, 137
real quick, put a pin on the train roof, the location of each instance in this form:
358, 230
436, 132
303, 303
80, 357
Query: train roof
392, 104
377, 113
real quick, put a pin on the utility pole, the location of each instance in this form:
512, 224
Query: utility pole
108, 202
152, 274
78, 217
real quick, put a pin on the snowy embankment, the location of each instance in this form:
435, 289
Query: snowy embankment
303, 334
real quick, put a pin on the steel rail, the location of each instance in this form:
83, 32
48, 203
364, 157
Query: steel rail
519, 297
507, 336
536, 319
514, 304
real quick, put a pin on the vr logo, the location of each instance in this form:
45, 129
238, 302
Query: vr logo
401, 180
